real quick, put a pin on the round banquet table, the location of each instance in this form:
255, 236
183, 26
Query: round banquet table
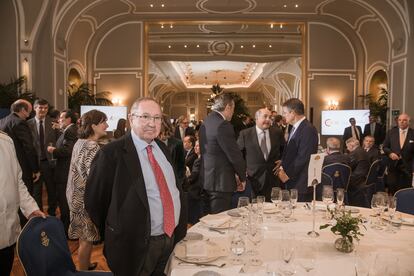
393, 251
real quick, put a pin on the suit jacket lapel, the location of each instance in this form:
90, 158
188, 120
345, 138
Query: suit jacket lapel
255, 139
135, 171
272, 136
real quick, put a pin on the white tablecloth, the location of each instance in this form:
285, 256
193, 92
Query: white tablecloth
394, 250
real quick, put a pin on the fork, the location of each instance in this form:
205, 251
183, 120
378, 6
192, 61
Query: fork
202, 264
217, 230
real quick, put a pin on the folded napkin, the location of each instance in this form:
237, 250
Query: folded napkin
196, 249
269, 206
215, 220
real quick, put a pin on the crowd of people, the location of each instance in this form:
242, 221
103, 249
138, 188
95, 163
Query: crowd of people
140, 192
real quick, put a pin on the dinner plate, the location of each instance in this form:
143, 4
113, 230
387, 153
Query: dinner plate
193, 236
352, 209
207, 273
404, 221
213, 252
234, 213
226, 225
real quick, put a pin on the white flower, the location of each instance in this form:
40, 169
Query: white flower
333, 222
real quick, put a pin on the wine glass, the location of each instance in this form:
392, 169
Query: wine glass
237, 247
308, 255
276, 195
376, 207
288, 253
392, 205
260, 205
255, 236
383, 205
340, 196
243, 208
293, 197
327, 197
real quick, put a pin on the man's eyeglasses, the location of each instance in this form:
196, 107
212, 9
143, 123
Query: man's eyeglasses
147, 118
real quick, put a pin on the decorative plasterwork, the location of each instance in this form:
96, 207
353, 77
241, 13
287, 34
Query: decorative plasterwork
203, 5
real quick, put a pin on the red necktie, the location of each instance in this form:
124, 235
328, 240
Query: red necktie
166, 199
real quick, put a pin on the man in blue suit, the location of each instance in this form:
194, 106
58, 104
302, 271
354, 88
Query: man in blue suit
302, 142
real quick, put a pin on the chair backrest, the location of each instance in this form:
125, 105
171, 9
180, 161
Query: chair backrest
405, 200
43, 249
373, 173
340, 174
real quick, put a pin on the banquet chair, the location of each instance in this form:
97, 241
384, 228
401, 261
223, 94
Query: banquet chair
370, 185
405, 200
340, 174
325, 180
43, 249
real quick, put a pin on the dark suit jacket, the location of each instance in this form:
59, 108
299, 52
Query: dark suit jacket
116, 201
378, 133
63, 153
348, 134
259, 170
373, 154
296, 156
392, 144
51, 135
195, 184
190, 158
336, 157
188, 131
21, 135
221, 156
360, 167
176, 148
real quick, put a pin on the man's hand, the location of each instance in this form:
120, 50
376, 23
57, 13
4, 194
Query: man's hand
36, 176
393, 156
37, 213
50, 149
277, 167
241, 186
282, 175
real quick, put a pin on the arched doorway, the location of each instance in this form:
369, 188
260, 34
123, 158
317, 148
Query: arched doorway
378, 91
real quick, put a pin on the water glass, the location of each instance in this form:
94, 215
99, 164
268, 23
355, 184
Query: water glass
260, 207
243, 205
293, 197
376, 207
392, 205
255, 237
287, 253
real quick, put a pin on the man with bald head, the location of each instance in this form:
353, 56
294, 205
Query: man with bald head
334, 155
399, 147
261, 146
16, 127
134, 197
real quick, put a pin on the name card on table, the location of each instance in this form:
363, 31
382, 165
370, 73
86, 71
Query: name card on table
315, 168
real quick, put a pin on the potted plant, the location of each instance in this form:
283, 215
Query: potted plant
347, 226
12, 91
83, 95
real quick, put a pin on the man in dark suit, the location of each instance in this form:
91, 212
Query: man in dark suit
261, 146
183, 129
371, 148
44, 135
333, 147
223, 164
63, 154
16, 127
352, 131
190, 155
134, 198
399, 147
302, 142
375, 130
360, 167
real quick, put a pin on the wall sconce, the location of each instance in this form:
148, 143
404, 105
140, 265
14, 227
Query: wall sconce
333, 105
116, 101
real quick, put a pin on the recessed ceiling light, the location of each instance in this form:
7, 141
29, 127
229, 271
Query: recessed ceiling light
169, 46
270, 45
162, 5
285, 6
254, 46
198, 46
271, 26
296, 6
281, 26
241, 46
185, 46
151, 5
171, 26
162, 26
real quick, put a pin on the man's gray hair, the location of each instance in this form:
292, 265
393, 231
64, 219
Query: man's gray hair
221, 101
333, 144
135, 105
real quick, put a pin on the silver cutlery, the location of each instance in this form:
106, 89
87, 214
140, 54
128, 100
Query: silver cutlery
217, 230
202, 264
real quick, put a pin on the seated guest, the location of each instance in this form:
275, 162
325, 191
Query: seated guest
333, 147
194, 188
93, 126
371, 148
190, 155
360, 167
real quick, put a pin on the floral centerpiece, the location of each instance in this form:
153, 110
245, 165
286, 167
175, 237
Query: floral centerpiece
347, 226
